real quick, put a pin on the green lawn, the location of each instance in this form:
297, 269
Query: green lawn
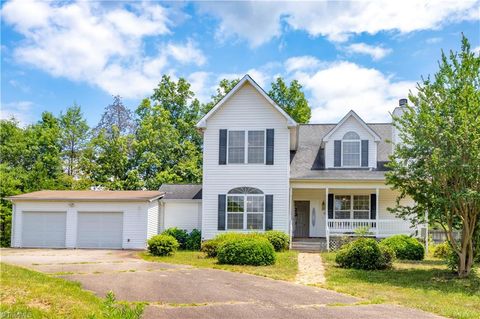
426, 285
29, 294
285, 268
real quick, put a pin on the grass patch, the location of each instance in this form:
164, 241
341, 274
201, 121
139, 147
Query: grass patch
26, 293
30, 294
426, 285
285, 268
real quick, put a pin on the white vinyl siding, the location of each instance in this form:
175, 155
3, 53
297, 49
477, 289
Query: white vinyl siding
246, 110
100, 230
44, 229
184, 214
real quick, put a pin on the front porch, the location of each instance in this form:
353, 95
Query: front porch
349, 209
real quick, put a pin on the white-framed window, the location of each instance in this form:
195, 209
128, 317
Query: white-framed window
352, 207
351, 150
246, 147
245, 209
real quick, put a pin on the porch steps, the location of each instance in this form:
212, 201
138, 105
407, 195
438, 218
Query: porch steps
309, 244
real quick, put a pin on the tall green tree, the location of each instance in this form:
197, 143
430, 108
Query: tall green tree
30, 160
183, 108
107, 161
438, 163
162, 152
291, 99
74, 130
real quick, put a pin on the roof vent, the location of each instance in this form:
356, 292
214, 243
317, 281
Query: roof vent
402, 102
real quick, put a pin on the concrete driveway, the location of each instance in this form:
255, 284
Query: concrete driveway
178, 291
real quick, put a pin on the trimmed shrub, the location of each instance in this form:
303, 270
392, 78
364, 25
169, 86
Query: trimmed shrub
278, 239
210, 247
364, 253
194, 240
180, 235
162, 245
441, 250
405, 247
246, 251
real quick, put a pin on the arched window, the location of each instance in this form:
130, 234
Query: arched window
245, 190
245, 209
351, 136
351, 150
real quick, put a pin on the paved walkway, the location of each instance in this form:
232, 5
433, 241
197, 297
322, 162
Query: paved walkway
310, 269
179, 291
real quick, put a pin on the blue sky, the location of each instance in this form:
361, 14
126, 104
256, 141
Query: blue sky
347, 55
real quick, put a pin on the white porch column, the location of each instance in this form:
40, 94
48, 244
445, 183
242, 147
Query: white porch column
377, 192
290, 210
327, 230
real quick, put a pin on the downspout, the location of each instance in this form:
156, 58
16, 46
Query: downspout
13, 227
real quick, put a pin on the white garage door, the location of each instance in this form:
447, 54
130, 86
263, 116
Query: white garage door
43, 229
99, 230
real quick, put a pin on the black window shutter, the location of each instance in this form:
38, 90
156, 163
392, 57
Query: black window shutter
337, 153
222, 148
330, 206
270, 146
221, 211
364, 153
268, 212
373, 206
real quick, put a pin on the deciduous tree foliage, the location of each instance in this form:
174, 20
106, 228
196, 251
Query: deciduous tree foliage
291, 99
438, 163
157, 144
74, 129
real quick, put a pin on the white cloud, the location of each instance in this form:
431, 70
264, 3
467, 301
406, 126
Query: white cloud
198, 81
476, 50
335, 88
186, 53
103, 45
256, 21
259, 22
376, 52
433, 40
21, 111
301, 63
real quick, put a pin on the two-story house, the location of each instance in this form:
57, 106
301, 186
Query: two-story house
261, 171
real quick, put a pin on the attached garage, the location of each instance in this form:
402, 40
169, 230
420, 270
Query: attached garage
85, 219
100, 230
44, 229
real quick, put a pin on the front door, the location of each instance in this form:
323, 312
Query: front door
302, 219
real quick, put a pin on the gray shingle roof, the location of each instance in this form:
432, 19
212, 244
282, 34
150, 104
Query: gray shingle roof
181, 191
305, 162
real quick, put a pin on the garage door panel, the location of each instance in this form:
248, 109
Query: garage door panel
43, 229
100, 230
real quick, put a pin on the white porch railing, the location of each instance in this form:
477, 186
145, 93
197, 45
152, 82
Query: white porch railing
379, 228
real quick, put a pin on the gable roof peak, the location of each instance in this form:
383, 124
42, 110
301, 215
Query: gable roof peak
246, 78
353, 114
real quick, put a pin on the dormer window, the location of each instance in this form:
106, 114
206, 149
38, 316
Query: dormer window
351, 150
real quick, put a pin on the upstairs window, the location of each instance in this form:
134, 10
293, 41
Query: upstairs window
246, 147
351, 150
